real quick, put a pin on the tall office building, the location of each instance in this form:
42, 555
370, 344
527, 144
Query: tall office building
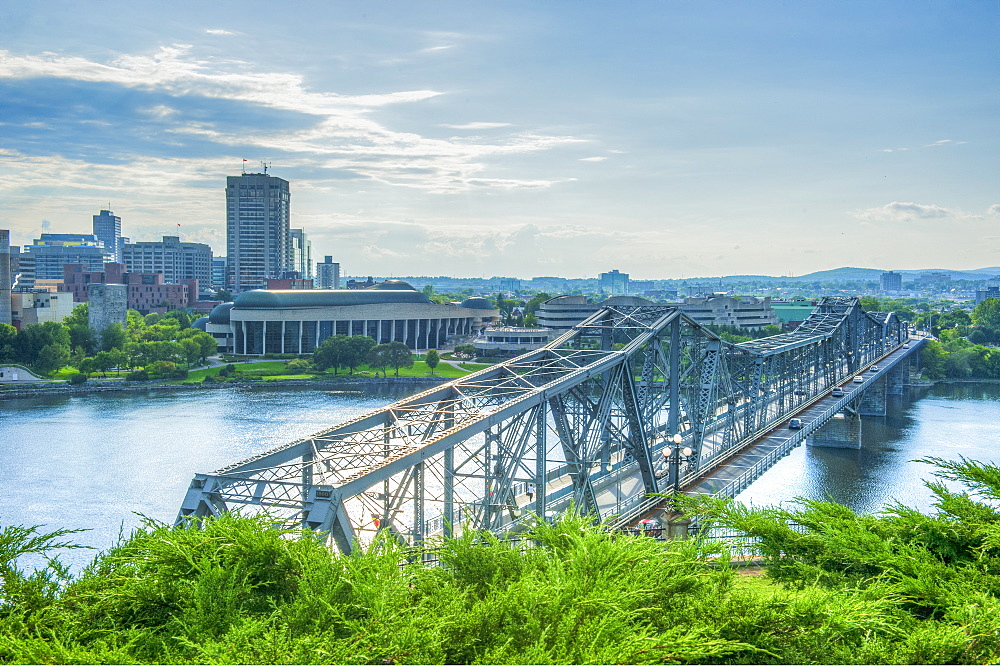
108, 229
258, 243
891, 281
301, 253
5, 278
218, 273
176, 260
53, 251
328, 274
613, 282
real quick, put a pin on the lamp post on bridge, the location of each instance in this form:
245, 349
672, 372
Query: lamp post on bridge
673, 455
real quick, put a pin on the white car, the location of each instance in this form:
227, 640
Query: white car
858, 379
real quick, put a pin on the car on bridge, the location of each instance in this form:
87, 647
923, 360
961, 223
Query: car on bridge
837, 392
795, 423
874, 368
858, 379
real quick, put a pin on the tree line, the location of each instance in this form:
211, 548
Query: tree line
161, 345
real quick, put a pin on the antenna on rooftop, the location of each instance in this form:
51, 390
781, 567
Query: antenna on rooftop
265, 165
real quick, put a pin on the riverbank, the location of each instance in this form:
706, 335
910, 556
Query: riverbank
126, 386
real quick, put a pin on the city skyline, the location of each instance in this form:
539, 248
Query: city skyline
667, 140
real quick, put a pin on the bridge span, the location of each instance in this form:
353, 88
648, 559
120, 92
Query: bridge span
634, 401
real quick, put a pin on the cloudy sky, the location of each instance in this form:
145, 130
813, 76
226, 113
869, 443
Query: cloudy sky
665, 139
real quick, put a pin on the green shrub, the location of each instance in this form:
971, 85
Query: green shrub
138, 374
77, 379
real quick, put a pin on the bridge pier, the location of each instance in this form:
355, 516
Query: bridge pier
842, 431
873, 401
897, 377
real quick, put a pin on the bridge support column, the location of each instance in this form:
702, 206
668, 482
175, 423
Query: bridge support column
873, 399
842, 431
897, 376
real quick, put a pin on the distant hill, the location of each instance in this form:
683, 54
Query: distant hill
846, 273
842, 274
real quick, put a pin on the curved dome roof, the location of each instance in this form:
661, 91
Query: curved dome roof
393, 284
625, 301
478, 303
322, 298
568, 300
220, 314
200, 323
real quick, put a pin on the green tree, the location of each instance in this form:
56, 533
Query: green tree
399, 356
83, 337
79, 316
932, 356
113, 337
87, 366
104, 362
223, 295
52, 357
32, 338
8, 342
987, 314
330, 353
192, 351
432, 359
183, 318
378, 358
357, 351
152, 318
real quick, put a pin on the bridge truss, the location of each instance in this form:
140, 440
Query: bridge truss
551, 427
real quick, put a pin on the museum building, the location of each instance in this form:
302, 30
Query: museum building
296, 321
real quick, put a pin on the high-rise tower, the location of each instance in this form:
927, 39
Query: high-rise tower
108, 229
258, 243
5, 277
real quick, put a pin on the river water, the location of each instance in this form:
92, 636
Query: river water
98, 461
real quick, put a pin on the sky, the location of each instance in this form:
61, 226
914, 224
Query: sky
664, 139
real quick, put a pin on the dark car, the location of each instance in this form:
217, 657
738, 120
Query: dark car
795, 423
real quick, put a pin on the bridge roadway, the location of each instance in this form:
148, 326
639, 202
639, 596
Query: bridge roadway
737, 472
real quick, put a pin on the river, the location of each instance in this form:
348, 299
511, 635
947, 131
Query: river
98, 461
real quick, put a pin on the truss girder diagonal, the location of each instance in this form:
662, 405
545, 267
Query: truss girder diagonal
552, 427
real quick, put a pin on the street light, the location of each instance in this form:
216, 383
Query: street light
673, 456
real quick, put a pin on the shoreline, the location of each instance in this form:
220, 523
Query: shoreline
123, 386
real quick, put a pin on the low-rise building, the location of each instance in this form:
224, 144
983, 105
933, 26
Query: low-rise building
296, 321
750, 312
38, 306
511, 340
147, 292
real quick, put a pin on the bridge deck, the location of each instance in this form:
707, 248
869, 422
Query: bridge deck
732, 474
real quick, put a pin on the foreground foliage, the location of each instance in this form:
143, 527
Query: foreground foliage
901, 587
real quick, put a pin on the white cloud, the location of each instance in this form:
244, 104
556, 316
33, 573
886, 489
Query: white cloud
903, 212
219, 31
344, 136
993, 210
476, 126
593, 159
437, 48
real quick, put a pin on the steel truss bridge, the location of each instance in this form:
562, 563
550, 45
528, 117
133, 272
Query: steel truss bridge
586, 420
